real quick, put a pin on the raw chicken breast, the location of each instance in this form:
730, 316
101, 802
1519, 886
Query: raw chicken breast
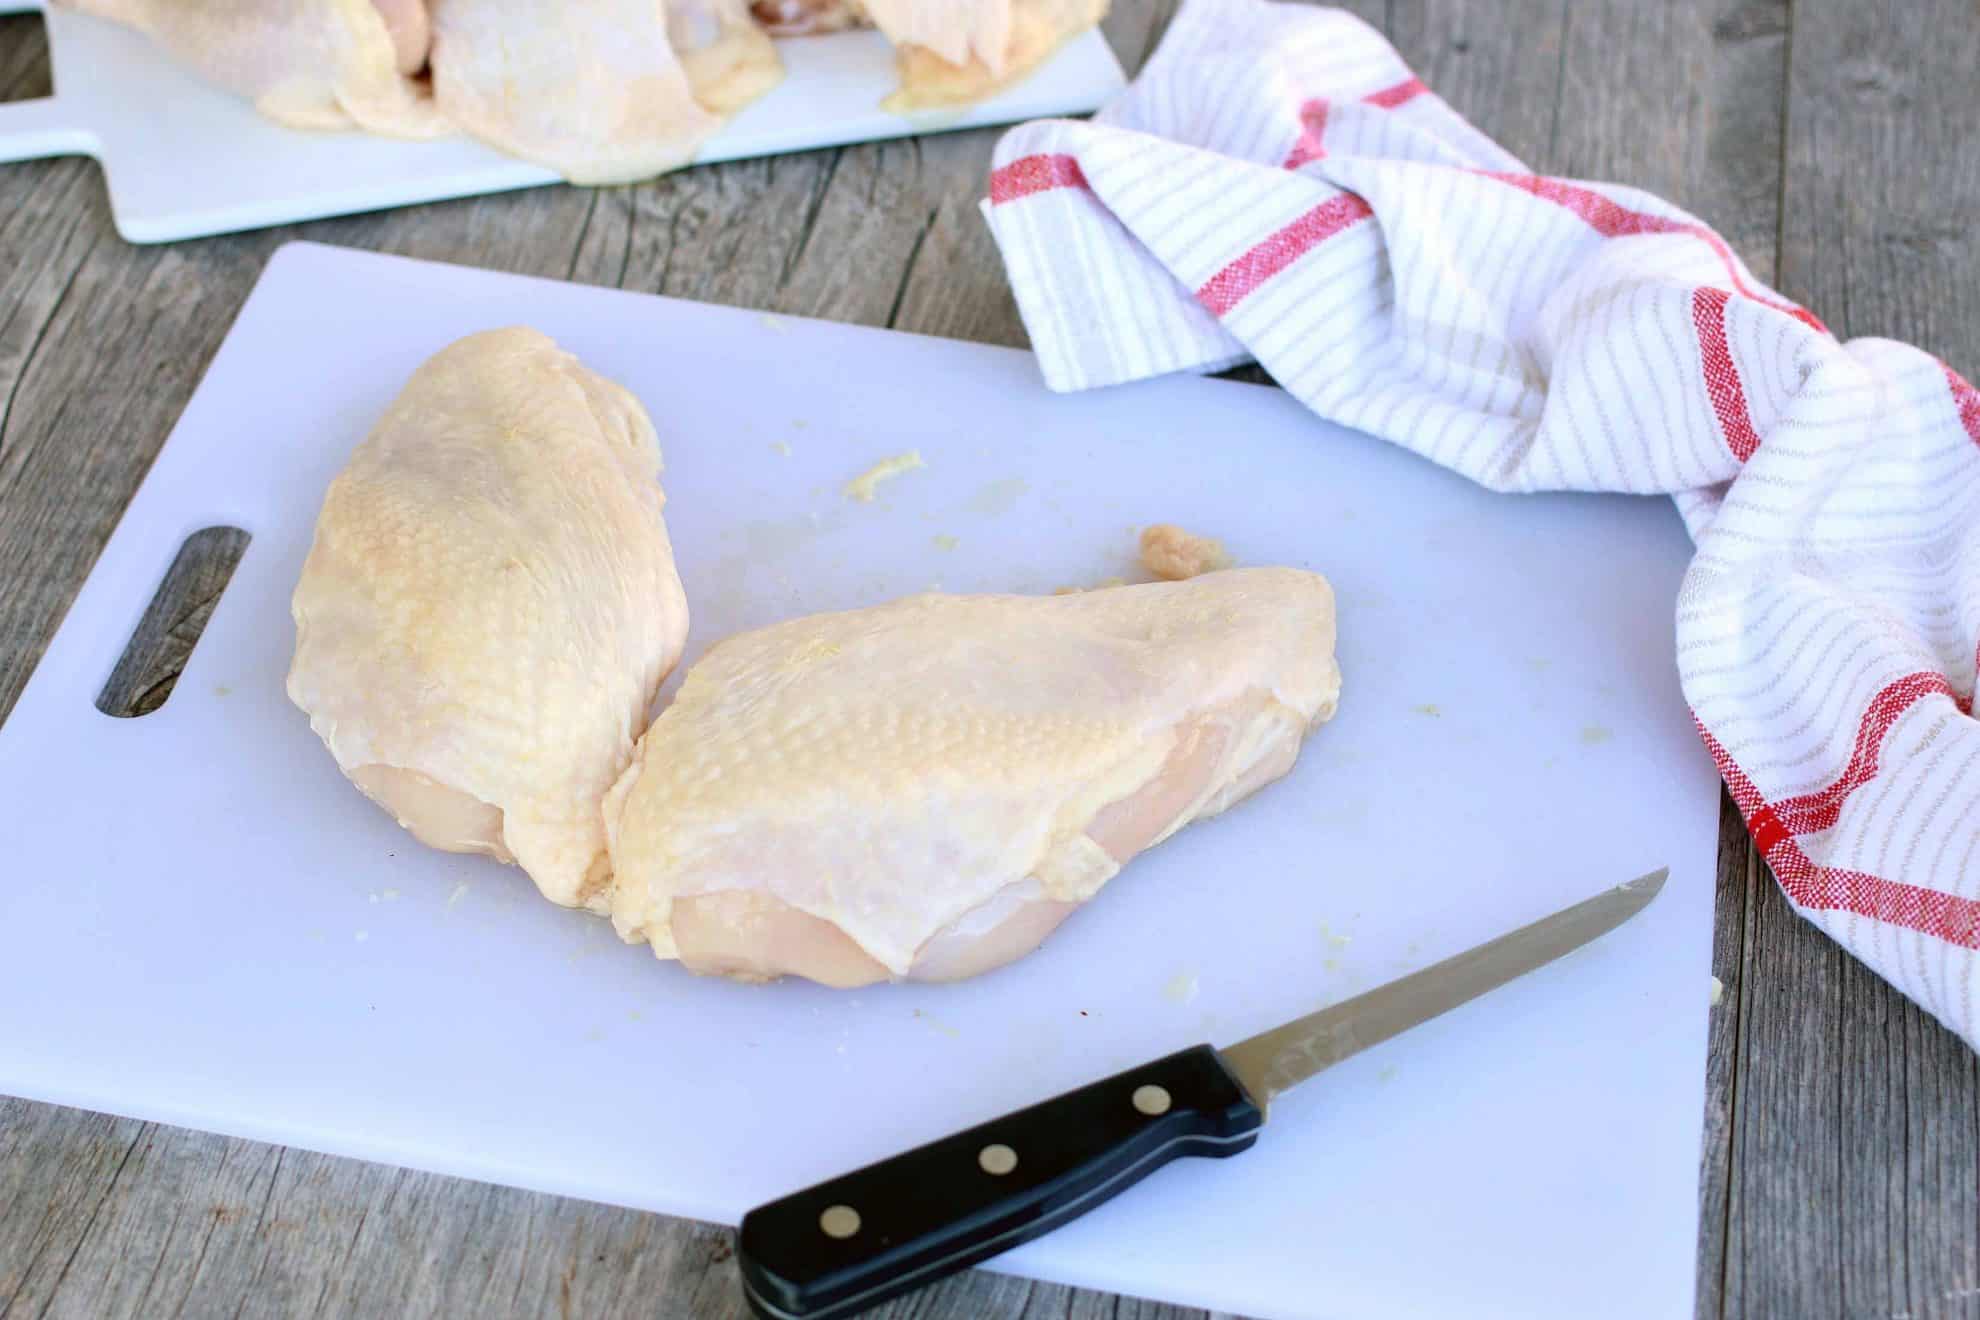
954, 52
490, 605
596, 89
319, 64
729, 60
925, 789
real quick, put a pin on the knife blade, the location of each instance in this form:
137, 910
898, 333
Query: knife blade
854, 1241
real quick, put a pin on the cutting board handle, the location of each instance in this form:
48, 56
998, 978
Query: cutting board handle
30, 130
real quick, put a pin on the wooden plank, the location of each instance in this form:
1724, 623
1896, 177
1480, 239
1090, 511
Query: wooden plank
1884, 173
1784, 1205
169, 1222
1499, 65
1866, 1200
57, 1167
45, 232
1739, 875
24, 73
1134, 28
42, 243
1937, 1240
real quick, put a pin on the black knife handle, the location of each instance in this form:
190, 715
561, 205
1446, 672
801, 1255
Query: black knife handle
857, 1240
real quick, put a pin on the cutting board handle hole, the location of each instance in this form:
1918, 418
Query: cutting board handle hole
25, 32
171, 625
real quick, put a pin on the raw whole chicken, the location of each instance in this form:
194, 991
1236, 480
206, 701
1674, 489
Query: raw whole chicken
925, 789
490, 605
320, 64
602, 91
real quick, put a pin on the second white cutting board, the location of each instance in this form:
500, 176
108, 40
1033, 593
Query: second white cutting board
243, 944
182, 158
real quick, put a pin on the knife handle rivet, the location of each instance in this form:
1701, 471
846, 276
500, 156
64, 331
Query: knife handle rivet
839, 1221
1152, 1100
997, 1159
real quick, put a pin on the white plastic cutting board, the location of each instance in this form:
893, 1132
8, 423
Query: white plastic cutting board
183, 159
204, 924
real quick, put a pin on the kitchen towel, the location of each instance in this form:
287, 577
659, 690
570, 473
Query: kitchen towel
1277, 186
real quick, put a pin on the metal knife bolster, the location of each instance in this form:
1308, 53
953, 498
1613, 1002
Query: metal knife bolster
854, 1241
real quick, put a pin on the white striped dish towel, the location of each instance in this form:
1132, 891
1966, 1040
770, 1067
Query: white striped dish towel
1277, 186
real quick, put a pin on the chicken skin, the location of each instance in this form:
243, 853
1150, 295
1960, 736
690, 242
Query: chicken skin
490, 605
925, 789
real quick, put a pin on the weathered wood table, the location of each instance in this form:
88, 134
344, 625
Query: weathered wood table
1836, 144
